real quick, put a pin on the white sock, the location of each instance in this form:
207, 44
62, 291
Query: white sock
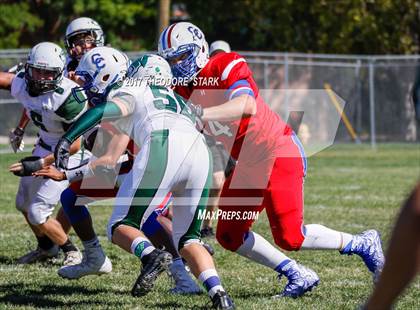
141, 246
93, 243
211, 281
259, 250
318, 237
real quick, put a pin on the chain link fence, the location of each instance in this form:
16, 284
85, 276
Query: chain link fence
376, 89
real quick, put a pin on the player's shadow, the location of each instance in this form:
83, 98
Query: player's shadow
6, 260
19, 294
247, 294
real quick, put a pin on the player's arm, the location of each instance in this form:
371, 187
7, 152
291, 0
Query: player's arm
109, 110
116, 148
32, 164
242, 106
74, 148
6, 80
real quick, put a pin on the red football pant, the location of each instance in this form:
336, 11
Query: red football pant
282, 198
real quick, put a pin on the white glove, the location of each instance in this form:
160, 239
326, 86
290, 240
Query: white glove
16, 139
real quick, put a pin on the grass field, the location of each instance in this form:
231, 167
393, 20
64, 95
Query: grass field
349, 188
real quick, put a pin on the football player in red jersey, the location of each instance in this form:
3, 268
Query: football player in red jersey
271, 163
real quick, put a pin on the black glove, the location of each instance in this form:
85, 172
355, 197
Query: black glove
30, 164
62, 153
16, 139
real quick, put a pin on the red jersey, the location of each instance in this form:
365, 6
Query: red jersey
258, 136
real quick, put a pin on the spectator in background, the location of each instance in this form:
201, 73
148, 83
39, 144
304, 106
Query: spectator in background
219, 47
179, 13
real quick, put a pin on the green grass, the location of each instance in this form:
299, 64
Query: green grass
349, 188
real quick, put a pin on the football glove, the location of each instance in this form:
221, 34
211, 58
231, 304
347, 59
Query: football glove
27, 166
196, 109
16, 139
62, 153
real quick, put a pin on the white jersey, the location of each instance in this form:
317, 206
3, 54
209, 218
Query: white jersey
52, 112
152, 108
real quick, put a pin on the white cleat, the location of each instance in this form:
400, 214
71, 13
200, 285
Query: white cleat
94, 262
72, 258
38, 255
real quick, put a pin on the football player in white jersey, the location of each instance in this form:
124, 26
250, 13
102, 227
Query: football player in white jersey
82, 34
115, 145
50, 103
173, 158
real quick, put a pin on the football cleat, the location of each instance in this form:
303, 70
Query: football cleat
72, 258
94, 262
155, 263
221, 300
369, 247
184, 284
207, 232
300, 280
39, 255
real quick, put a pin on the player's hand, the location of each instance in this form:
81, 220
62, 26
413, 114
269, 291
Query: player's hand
16, 139
62, 153
196, 109
27, 166
50, 172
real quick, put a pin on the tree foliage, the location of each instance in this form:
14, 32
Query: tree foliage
324, 26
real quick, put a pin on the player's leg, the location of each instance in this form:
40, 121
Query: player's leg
158, 229
63, 220
46, 248
286, 192
39, 214
95, 260
142, 191
188, 205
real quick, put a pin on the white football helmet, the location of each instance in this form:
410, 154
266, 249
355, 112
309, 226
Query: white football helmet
83, 25
100, 69
152, 68
184, 46
44, 68
219, 45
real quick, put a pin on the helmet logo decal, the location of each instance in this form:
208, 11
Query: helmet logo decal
97, 59
195, 33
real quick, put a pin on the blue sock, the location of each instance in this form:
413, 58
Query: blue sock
74, 213
211, 281
280, 266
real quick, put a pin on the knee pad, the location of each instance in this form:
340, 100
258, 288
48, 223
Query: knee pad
38, 213
21, 205
187, 242
73, 212
289, 242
